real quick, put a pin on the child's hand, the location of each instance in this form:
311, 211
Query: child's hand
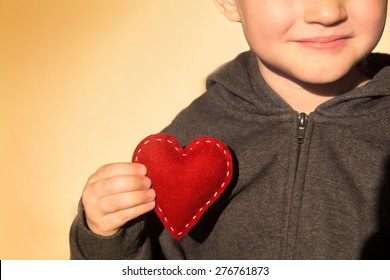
116, 194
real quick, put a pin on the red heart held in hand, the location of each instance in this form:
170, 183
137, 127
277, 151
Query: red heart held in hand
187, 181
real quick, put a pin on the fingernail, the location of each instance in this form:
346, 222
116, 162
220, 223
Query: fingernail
147, 182
151, 193
141, 169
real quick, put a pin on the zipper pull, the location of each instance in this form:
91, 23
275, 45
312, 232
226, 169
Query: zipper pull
302, 121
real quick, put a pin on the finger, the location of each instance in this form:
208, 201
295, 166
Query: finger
118, 169
114, 203
119, 218
120, 184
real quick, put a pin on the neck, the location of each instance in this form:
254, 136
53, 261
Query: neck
306, 97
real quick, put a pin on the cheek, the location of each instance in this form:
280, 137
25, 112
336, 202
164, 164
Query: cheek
265, 31
370, 20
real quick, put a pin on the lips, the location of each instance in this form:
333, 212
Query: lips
323, 42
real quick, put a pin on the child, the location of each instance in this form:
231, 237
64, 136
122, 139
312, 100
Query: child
306, 115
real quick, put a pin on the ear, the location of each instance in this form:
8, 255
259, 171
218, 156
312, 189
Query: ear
229, 9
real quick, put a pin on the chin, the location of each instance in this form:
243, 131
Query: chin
325, 77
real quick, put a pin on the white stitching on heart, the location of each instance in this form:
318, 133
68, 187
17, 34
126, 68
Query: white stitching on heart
177, 149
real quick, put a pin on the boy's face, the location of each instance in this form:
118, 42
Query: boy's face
312, 41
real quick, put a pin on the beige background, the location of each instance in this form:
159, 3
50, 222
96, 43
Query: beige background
81, 83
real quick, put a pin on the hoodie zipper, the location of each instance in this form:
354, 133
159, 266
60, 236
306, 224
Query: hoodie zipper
302, 123
292, 220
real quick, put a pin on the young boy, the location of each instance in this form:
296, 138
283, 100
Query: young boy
306, 114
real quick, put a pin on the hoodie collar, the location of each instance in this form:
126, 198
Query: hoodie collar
242, 78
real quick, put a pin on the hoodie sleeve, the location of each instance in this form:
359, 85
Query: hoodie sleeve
131, 242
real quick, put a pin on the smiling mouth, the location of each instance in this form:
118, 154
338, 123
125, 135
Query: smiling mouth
323, 43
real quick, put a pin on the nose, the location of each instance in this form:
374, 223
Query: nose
325, 12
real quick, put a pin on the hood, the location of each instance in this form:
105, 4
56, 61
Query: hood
241, 77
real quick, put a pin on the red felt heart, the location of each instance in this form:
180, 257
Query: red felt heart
187, 181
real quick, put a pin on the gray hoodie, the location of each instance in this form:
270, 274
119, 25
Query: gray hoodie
304, 187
